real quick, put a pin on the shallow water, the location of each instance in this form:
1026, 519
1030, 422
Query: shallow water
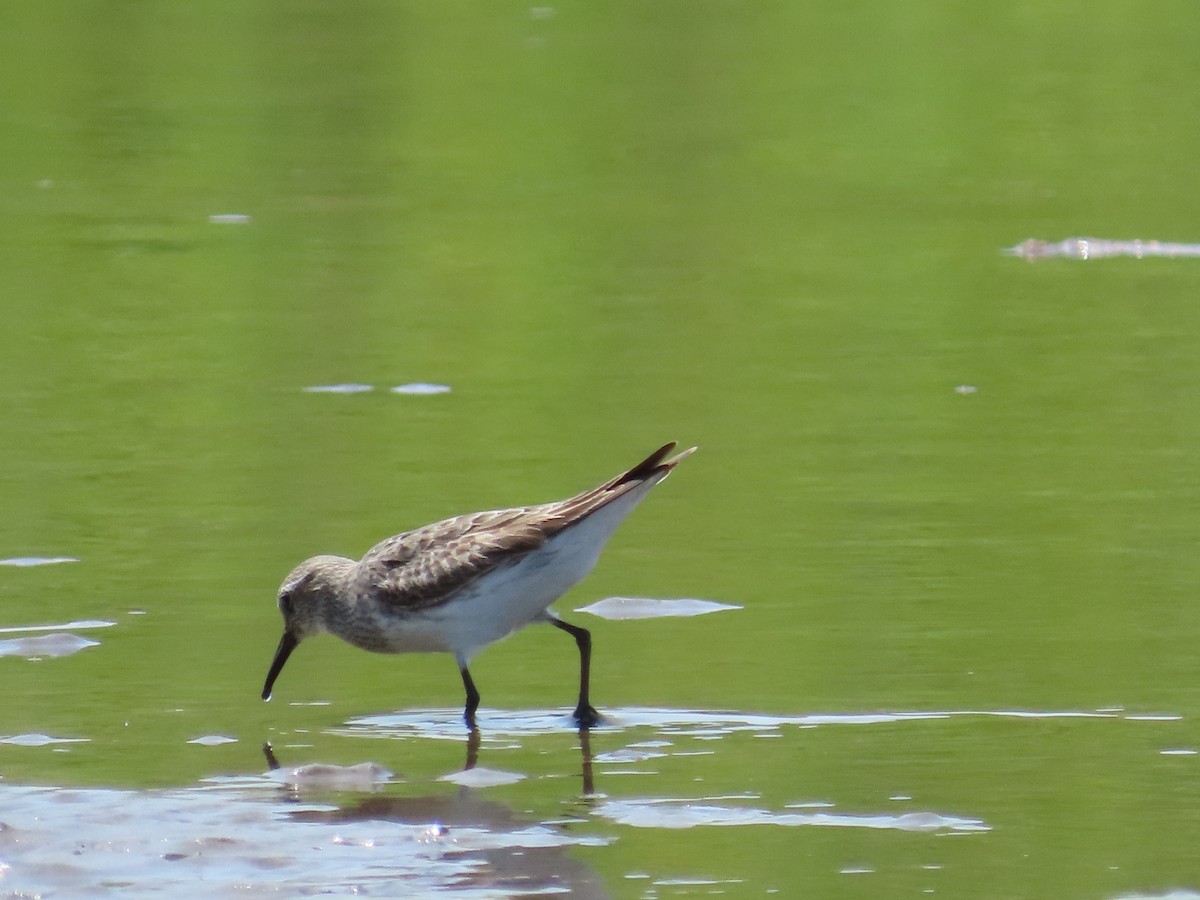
286, 278
525, 806
252, 837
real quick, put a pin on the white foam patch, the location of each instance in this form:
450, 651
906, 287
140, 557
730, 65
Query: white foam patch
213, 740
480, 777
339, 389
1100, 248
628, 755
680, 813
421, 387
69, 626
46, 645
39, 740
623, 608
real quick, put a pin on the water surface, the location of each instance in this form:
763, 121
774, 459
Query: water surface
955, 495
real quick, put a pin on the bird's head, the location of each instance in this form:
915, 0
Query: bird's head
304, 597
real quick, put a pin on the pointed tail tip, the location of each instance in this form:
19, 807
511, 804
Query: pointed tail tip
682, 454
669, 464
656, 464
660, 460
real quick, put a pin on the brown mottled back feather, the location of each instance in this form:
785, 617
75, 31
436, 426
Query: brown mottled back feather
425, 567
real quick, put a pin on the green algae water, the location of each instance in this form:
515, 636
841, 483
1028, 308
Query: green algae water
955, 493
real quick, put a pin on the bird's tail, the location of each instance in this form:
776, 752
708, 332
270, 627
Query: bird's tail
656, 464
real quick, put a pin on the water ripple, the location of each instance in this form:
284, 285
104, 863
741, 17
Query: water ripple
496, 724
682, 813
230, 841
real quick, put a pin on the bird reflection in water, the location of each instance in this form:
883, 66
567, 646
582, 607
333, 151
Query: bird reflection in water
513, 853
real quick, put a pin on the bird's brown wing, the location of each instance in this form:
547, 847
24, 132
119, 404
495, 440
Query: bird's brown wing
426, 567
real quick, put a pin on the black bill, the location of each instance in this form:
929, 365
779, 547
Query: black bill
286, 645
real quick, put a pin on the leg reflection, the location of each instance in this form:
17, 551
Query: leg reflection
473, 740
585, 750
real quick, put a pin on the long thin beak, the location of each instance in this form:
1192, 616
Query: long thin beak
286, 645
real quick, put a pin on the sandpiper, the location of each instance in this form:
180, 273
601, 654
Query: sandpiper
460, 584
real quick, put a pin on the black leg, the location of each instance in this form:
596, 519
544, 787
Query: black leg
584, 713
472, 697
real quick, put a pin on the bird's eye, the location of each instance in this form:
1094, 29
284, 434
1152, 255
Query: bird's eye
285, 604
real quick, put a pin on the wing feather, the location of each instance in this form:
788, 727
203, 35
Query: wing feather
426, 567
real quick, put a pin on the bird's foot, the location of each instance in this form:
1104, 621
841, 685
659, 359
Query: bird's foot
586, 716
